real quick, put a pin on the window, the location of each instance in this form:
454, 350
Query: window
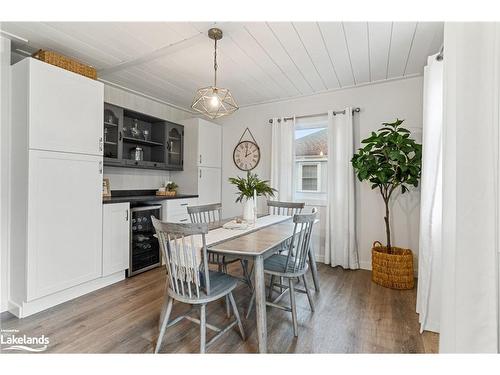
311, 158
309, 177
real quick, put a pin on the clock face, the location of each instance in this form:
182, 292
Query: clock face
246, 155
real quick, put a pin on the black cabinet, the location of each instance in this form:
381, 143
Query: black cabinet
136, 140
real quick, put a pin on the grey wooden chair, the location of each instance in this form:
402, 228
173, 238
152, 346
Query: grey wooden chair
212, 214
189, 280
285, 208
291, 266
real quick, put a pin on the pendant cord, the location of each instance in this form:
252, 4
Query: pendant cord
215, 64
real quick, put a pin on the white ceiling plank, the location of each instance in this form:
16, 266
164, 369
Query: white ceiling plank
42, 36
426, 37
357, 45
291, 40
272, 47
253, 50
401, 44
379, 34
311, 37
333, 34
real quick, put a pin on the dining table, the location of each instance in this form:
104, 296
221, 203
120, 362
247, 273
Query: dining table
257, 243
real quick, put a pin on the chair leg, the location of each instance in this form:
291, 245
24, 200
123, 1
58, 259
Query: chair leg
271, 286
250, 305
203, 328
294, 306
164, 324
308, 292
237, 315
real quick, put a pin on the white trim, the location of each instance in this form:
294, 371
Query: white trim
324, 92
40, 304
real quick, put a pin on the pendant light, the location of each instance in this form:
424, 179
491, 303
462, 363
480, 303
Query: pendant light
213, 101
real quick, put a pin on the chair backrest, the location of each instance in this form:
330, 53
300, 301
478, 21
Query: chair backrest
208, 213
285, 208
299, 246
185, 256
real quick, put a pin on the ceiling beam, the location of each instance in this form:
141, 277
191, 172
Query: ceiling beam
153, 55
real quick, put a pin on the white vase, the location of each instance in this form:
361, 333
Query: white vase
249, 210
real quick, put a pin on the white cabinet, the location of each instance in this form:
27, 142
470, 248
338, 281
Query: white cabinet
209, 144
65, 109
115, 237
56, 185
209, 182
64, 222
175, 210
202, 161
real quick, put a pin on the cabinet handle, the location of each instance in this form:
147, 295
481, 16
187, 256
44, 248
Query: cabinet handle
200, 173
184, 204
100, 144
120, 135
100, 167
126, 215
200, 158
183, 220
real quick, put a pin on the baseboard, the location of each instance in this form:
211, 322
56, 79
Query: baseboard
40, 304
365, 265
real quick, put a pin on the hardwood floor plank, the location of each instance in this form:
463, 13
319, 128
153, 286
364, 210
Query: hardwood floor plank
353, 315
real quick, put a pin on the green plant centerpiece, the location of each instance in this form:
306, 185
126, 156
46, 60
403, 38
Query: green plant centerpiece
390, 160
249, 188
171, 186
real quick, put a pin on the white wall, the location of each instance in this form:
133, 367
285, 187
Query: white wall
5, 167
129, 178
378, 102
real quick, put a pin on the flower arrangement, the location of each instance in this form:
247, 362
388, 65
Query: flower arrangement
252, 183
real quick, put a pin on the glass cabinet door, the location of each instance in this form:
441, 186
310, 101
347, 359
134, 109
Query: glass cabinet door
113, 118
175, 134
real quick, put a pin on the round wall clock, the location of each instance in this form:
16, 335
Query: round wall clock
246, 155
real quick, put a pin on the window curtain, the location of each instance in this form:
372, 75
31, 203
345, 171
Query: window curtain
340, 242
282, 158
431, 200
471, 198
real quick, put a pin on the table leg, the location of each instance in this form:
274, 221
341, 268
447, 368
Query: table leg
260, 303
314, 269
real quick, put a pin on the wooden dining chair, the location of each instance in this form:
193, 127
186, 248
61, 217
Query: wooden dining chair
211, 214
291, 266
190, 281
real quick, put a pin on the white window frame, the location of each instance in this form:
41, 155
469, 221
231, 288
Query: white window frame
318, 176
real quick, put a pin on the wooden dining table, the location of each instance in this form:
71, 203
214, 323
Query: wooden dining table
258, 245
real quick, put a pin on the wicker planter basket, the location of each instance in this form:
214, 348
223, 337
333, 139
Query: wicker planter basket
394, 270
66, 63
167, 193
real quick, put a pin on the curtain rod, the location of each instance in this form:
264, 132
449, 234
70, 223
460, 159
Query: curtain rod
357, 109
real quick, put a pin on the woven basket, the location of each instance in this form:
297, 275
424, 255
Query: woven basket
170, 193
393, 270
64, 62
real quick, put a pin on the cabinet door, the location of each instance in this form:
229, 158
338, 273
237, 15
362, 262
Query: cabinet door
209, 185
115, 237
64, 221
66, 110
175, 145
209, 144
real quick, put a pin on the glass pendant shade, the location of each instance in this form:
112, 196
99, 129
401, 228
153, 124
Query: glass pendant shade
214, 102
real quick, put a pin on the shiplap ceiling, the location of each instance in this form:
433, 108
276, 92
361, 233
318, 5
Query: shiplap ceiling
259, 61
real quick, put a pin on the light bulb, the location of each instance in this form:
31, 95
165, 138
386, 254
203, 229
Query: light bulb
214, 101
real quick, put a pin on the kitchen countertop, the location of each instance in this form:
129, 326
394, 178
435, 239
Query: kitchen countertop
135, 196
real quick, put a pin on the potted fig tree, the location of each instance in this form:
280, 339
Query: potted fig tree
390, 160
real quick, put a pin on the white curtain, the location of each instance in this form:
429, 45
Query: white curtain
340, 242
431, 200
282, 158
471, 198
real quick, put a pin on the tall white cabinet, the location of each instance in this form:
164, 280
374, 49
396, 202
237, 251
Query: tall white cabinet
202, 172
56, 231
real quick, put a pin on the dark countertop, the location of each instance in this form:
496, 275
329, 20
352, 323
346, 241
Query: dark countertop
136, 196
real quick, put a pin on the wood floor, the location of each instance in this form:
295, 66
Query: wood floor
353, 315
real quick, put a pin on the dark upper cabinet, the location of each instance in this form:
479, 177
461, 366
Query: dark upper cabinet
136, 140
174, 146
